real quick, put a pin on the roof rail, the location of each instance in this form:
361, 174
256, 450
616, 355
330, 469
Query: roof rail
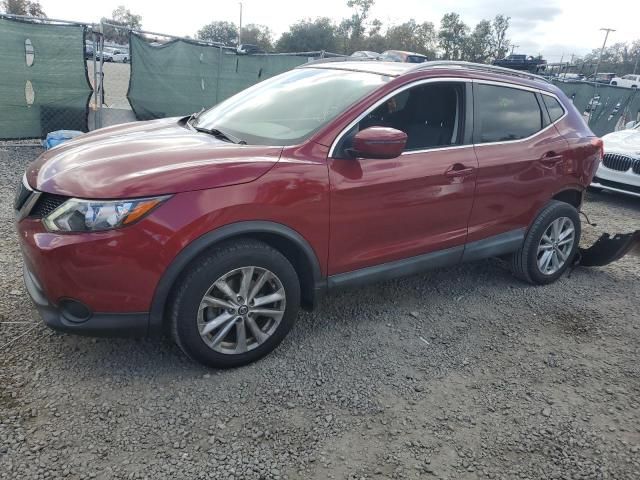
479, 67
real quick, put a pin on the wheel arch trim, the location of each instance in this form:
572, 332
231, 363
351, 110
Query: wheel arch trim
209, 239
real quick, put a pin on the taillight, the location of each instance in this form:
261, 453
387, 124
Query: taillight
599, 144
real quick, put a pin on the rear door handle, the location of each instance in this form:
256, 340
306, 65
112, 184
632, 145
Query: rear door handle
459, 170
549, 159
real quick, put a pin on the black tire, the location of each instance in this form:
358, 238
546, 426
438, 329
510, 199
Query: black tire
524, 262
201, 275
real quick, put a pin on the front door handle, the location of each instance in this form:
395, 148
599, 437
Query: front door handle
549, 159
459, 170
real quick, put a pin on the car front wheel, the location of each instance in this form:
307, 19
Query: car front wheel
549, 246
235, 304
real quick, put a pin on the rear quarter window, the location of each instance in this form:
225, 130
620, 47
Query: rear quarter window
553, 107
505, 113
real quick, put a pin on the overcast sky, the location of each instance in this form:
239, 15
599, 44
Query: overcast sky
550, 27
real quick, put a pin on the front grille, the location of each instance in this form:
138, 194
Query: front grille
621, 163
46, 204
22, 195
636, 167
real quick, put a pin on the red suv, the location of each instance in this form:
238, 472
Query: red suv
219, 226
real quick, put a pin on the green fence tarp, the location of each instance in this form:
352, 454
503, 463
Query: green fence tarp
182, 77
59, 87
610, 107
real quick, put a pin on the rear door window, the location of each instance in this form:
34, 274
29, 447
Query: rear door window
553, 107
505, 113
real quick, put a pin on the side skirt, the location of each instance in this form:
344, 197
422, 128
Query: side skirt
495, 246
399, 268
501, 244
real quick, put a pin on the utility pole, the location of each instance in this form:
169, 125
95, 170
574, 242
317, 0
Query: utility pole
606, 36
595, 74
513, 47
635, 67
240, 29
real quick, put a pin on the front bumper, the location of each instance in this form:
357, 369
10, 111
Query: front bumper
92, 324
615, 186
617, 181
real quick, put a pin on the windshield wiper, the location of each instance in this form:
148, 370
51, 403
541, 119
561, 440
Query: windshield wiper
194, 116
222, 135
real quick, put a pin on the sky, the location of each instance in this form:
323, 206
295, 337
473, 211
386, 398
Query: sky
555, 28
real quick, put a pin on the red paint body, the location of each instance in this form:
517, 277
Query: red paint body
354, 213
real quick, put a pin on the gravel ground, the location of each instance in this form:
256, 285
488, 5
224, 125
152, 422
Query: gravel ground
462, 373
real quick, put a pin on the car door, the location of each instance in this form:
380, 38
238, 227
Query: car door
521, 159
386, 210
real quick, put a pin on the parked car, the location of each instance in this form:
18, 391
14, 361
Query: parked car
619, 170
570, 77
366, 54
218, 226
248, 49
629, 81
522, 62
120, 56
401, 56
88, 52
106, 53
604, 78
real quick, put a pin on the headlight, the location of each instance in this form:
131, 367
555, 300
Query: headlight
77, 215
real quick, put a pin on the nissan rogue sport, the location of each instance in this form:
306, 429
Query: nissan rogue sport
217, 227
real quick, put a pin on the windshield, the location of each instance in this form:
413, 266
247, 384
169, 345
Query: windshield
289, 108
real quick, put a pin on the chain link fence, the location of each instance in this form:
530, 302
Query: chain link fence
59, 75
44, 84
63, 75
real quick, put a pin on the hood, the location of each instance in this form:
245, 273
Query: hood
623, 141
146, 158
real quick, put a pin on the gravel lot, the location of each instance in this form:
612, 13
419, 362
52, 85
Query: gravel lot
462, 373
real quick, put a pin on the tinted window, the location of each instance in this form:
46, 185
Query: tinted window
416, 59
554, 107
504, 113
430, 115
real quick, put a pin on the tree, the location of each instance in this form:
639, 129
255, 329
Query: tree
219, 32
452, 36
479, 45
353, 29
24, 7
620, 58
258, 35
124, 21
309, 35
501, 45
414, 37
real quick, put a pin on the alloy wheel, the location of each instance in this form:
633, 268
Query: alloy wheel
556, 245
241, 310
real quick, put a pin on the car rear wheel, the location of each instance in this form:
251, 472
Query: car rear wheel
235, 304
549, 246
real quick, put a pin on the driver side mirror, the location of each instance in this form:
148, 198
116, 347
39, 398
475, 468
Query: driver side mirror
379, 142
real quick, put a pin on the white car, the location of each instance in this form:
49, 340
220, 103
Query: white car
122, 57
619, 170
629, 81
